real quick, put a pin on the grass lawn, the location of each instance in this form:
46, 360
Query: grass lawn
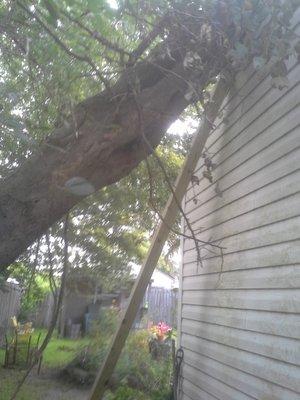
58, 353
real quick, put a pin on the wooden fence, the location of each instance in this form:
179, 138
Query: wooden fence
159, 305
10, 298
42, 315
162, 305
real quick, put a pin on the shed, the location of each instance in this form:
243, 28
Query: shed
239, 316
159, 279
83, 303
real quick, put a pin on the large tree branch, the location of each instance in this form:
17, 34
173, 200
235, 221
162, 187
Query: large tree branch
100, 142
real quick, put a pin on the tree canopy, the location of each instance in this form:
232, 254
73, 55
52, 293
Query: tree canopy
88, 89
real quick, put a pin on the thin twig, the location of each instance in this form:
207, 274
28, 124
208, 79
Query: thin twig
147, 41
34, 268
63, 46
152, 151
52, 282
151, 200
96, 35
48, 336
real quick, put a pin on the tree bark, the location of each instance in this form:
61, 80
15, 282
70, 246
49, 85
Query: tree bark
102, 143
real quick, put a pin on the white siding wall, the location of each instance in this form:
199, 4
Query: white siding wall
240, 313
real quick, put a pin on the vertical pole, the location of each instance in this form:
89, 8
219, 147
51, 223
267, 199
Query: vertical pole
6, 359
168, 218
15, 348
28, 350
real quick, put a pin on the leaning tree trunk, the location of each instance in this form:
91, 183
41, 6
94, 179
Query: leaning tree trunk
102, 142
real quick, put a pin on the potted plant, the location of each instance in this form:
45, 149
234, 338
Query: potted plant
160, 343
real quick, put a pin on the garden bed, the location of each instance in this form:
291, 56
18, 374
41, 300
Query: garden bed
69, 367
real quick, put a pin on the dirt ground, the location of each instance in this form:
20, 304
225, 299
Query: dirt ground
45, 386
63, 393
58, 390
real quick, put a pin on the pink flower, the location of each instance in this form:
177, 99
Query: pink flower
161, 330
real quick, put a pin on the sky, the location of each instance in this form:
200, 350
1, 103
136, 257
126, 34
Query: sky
182, 127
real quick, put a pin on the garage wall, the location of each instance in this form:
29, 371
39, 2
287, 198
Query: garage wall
240, 311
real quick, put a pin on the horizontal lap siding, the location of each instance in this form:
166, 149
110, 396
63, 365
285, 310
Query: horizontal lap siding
240, 312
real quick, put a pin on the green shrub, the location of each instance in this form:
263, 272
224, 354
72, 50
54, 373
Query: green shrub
35, 287
104, 327
138, 376
137, 364
126, 393
136, 372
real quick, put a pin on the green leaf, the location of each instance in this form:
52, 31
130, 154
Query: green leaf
94, 5
53, 12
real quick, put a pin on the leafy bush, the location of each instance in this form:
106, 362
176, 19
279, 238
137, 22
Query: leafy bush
125, 392
103, 328
35, 287
138, 376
